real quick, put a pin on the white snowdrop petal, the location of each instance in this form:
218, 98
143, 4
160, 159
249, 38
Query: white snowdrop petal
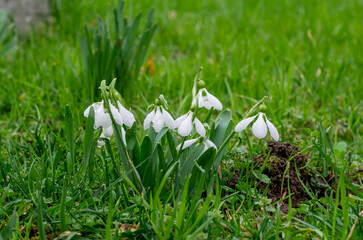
259, 128
186, 126
196, 97
95, 106
86, 112
179, 120
102, 119
123, 133
273, 130
116, 114
148, 119
204, 102
168, 119
158, 121
187, 143
100, 143
127, 116
243, 124
208, 143
107, 132
199, 127
214, 102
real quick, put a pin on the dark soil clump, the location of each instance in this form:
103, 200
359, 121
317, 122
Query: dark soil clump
276, 166
281, 170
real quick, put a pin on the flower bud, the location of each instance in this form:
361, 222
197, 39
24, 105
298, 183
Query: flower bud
201, 84
262, 108
157, 102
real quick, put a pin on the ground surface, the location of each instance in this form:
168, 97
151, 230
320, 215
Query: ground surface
305, 55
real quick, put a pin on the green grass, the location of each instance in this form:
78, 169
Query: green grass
305, 55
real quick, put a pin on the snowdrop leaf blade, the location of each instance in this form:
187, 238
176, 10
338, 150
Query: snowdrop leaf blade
157, 139
259, 128
188, 165
88, 140
243, 124
172, 147
206, 159
273, 131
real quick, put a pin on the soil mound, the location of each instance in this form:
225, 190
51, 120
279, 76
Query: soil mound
284, 155
280, 168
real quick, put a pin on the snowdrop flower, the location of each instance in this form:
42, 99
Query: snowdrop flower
207, 100
207, 144
121, 115
107, 133
185, 123
260, 127
102, 119
159, 118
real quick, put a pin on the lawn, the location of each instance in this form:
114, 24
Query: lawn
70, 174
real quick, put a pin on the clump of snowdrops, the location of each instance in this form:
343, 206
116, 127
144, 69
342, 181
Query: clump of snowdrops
173, 146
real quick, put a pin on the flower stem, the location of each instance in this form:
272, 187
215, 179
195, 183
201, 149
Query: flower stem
181, 147
224, 144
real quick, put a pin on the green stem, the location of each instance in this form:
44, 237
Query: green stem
224, 144
181, 148
62, 213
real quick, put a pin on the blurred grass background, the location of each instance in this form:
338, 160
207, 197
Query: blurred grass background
306, 55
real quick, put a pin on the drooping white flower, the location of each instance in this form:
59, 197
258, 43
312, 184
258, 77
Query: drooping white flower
185, 123
207, 100
127, 116
103, 119
159, 118
207, 144
121, 115
260, 127
107, 133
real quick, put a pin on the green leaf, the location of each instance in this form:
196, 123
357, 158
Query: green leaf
341, 147
261, 177
5, 233
223, 127
206, 159
172, 146
88, 144
70, 137
187, 164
